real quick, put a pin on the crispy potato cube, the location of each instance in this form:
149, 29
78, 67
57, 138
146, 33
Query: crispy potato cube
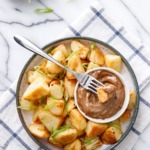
111, 135
92, 146
81, 49
69, 106
75, 64
125, 116
61, 48
33, 75
52, 67
102, 95
50, 121
54, 142
56, 89
68, 122
27, 104
36, 90
58, 107
66, 136
97, 56
35, 117
39, 130
114, 62
77, 120
76, 145
91, 65
69, 87
132, 101
94, 129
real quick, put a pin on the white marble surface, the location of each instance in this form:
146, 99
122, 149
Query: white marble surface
17, 17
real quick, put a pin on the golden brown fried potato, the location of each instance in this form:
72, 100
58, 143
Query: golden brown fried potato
35, 117
68, 122
54, 142
69, 106
69, 87
97, 56
58, 107
39, 130
77, 120
125, 116
91, 65
36, 90
76, 145
102, 95
56, 89
52, 67
50, 121
111, 135
132, 101
94, 129
75, 64
33, 75
27, 104
61, 48
66, 136
114, 62
81, 49
92, 146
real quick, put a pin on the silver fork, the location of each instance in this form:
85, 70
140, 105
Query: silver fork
85, 80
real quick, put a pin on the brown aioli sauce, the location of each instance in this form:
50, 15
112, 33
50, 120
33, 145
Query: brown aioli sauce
89, 102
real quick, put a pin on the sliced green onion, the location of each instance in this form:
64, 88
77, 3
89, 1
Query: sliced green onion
42, 100
43, 10
62, 74
92, 46
27, 108
53, 97
71, 55
36, 68
115, 125
89, 141
84, 65
61, 84
52, 104
61, 129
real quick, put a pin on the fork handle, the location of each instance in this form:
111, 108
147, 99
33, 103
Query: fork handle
32, 47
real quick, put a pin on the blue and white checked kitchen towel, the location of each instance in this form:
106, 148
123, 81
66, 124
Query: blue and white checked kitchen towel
94, 22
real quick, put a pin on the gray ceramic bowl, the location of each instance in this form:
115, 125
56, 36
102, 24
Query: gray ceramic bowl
127, 73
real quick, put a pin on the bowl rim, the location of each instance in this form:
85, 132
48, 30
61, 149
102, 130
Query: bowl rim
92, 40
126, 100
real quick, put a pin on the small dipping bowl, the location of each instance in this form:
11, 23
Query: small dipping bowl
124, 106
